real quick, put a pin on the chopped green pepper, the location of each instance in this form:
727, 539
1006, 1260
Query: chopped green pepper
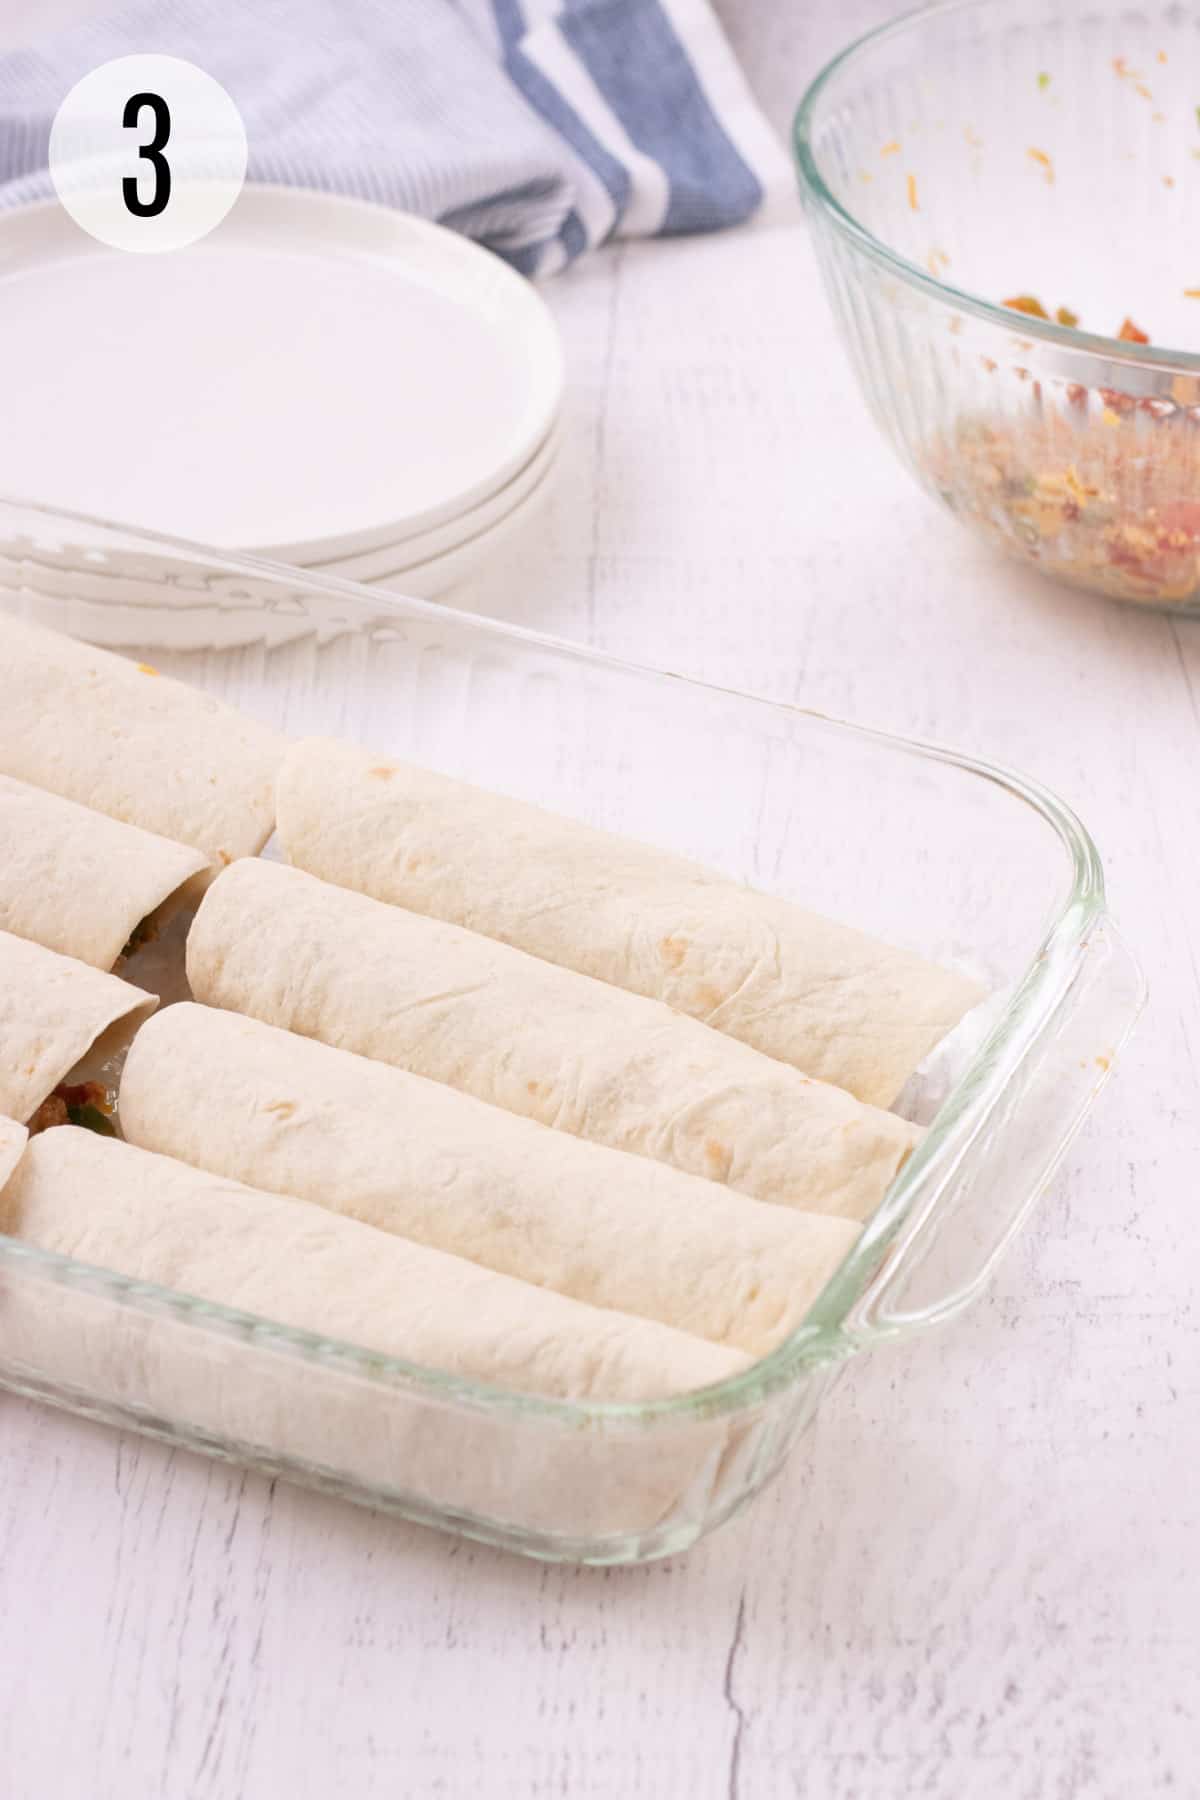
92, 1119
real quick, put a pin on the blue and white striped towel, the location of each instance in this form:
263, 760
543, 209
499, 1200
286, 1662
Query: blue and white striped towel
538, 127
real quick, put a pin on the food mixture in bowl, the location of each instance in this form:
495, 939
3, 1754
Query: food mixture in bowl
1100, 487
1003, 198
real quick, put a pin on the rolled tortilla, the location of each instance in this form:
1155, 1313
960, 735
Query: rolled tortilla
149, 1218
54, 1011
13, 1138
79, 882
831, 1001
252, 1103
535, 1039
126, 741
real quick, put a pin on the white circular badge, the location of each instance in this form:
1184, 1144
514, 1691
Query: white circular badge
148, 153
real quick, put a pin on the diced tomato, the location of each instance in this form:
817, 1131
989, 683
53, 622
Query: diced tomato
1181, 515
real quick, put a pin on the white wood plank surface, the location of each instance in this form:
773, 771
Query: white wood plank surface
978, 1577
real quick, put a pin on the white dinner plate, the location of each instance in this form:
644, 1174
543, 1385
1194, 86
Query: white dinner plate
442, 574
317, 378
406, 552
109, 599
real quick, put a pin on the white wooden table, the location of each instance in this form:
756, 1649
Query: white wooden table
978, 1577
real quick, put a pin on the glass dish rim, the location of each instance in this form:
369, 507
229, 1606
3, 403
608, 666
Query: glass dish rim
820, 1336
813, 186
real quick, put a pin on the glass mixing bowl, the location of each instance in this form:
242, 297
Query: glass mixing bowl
1043, 152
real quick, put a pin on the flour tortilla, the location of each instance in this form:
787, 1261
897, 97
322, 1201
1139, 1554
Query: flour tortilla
54, 1011
13, 1138
122, 1355
831, 1001
152, 1219
535, 1039
246, 1101
126, 741
81, 883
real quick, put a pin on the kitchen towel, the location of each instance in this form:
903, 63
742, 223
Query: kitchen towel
538, 127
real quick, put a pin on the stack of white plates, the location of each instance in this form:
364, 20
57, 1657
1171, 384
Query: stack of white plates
320, 381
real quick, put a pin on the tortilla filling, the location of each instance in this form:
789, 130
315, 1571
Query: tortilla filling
141, 935
85, 1103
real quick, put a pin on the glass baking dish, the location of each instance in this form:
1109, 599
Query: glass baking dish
965, 863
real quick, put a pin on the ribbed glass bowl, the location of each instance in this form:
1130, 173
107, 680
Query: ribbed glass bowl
1036, 150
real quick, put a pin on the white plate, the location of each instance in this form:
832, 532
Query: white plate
317, 378
131, 599
407, 552
96, 596
430, 580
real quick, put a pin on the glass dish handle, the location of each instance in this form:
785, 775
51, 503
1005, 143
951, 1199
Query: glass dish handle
943, 1258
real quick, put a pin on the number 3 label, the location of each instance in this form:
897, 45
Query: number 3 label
153, 153
148, 153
